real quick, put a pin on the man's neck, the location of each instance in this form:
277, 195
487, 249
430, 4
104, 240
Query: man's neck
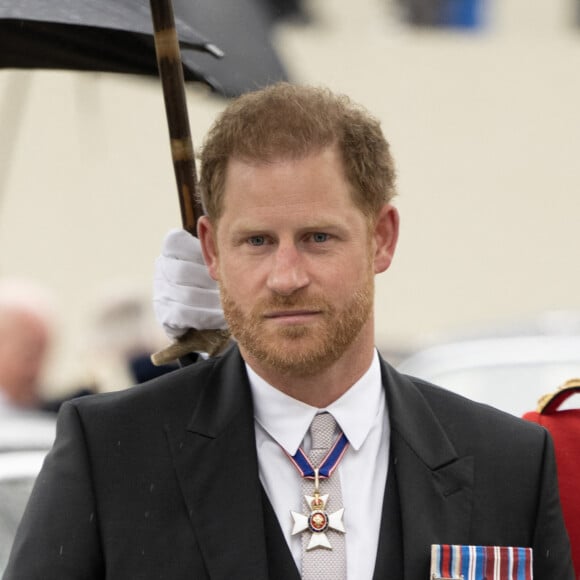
324, 387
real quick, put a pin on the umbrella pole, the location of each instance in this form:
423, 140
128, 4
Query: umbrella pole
171, 73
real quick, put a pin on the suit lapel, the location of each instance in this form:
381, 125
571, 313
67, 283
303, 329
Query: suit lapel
389, 560
434, 483
216, 464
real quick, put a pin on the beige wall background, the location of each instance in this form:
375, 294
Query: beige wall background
485, 129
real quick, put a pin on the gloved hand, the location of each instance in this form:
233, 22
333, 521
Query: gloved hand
184, 294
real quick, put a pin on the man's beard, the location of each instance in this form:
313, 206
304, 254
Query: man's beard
299, 350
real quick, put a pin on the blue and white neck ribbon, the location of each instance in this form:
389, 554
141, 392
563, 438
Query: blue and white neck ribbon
327, 465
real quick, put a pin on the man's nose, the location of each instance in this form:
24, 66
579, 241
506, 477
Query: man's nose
288, 272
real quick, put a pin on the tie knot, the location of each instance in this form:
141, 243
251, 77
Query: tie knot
323, 431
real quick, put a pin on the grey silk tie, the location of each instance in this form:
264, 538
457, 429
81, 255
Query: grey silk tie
322, 563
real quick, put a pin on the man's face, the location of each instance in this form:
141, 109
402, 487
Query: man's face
295, 259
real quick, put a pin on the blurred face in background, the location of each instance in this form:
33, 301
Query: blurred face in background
24, 341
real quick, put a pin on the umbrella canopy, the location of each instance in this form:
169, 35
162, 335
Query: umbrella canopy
117, 36
91, 35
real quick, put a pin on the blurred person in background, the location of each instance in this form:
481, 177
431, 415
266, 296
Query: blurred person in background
26, 334
122, 336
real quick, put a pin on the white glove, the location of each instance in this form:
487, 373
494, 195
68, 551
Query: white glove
184, 294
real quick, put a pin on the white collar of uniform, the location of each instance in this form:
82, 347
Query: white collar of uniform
287, 420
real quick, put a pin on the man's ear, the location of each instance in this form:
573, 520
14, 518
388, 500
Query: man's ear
386, 234
207, 234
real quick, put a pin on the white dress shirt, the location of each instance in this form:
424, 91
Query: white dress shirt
283, 422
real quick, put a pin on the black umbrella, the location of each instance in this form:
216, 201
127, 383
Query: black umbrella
91, 35
117, 36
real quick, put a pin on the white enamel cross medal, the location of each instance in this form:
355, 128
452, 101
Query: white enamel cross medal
319, 520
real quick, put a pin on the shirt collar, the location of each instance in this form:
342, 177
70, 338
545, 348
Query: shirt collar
287, 420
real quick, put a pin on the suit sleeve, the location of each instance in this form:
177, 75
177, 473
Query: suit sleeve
58, 537
552, 557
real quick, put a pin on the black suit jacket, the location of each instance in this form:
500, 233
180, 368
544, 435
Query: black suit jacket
161, 482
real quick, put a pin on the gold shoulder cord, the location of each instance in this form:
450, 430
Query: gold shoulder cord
571, 385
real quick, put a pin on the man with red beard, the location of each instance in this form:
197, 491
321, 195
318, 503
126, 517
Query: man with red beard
299, 453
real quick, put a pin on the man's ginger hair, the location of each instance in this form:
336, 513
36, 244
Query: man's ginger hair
286, 121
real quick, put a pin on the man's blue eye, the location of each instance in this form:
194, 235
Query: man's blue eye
319, 237
257, 241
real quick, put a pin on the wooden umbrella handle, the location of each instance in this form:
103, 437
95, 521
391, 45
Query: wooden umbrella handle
171, 73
